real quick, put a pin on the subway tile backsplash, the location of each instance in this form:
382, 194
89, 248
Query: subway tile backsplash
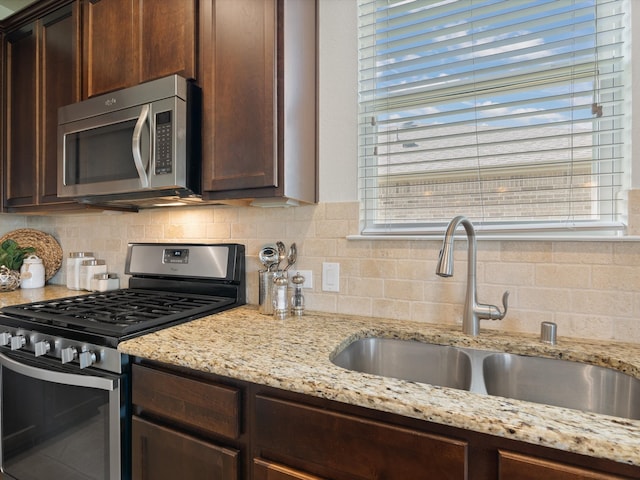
590, 289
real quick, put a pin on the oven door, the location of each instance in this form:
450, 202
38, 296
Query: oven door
56, 424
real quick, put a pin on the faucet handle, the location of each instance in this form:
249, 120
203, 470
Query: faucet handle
505, 304
493, 313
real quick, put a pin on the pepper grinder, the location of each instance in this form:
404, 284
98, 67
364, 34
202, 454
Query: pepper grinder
297, 299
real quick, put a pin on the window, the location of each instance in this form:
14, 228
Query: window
508, 112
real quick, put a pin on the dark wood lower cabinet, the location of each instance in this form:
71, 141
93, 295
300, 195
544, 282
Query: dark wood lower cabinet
196, 404
194, 425
514, 466
161, 453
265, 470
345, 447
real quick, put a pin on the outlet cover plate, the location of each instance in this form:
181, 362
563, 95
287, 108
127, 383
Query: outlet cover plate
330, 277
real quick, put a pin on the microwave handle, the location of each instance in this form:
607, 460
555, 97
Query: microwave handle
136, 148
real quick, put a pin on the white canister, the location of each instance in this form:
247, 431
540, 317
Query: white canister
73, 268
103, 282
32, 272
90, 268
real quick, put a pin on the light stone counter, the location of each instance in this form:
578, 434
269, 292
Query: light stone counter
294, 355
28, 295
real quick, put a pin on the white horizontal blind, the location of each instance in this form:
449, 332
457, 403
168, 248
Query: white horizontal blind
507, 111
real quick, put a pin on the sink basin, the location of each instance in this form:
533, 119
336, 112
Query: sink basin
408, 360
556, 382
562, 383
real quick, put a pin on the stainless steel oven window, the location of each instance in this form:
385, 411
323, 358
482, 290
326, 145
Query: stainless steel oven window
56, 424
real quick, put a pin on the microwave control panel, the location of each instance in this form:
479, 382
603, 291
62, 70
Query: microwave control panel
163, 143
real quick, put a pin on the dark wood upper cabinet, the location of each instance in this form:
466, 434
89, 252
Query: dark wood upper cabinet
109, 46
258, 77
60, 85
42, 74
21, 117
168, 34
255, 60
127, 42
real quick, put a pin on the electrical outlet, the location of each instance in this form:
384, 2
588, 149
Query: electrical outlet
308, 277
330, 277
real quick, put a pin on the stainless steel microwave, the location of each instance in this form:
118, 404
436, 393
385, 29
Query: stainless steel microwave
139, 146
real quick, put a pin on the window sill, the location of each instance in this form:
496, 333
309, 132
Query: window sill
504, 238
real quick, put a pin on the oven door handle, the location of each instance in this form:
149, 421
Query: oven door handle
101, 383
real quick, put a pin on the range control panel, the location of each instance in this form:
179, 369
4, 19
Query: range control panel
71, 352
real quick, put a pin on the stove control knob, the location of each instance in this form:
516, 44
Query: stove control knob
18, 342
42, 348
4, 338
87, 359
68, 354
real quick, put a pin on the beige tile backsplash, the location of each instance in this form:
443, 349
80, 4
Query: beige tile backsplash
590, 289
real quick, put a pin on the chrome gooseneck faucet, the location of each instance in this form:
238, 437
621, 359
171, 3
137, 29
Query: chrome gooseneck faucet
473, 312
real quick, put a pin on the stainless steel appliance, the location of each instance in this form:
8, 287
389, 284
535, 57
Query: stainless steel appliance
137, 146
65, 389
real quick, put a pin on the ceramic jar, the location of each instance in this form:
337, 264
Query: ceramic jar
32, 272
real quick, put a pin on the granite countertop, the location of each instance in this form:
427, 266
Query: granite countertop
28, 295
294, 355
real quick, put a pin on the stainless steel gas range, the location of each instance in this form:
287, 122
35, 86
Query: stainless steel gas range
65, 389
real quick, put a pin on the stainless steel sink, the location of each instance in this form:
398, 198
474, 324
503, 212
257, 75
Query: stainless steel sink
408, 360
562, 383
548, 381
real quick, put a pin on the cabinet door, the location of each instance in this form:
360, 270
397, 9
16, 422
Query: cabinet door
128, 42
343, 447
110, 45
60, 85
238, 78
167, 33
43, 75
161, 453
264, 470
22, 107
514, 466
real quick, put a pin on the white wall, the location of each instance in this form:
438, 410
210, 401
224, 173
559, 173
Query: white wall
338, 101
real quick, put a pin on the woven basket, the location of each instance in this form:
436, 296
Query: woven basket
47, 247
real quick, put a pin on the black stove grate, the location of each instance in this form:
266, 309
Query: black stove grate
120, 312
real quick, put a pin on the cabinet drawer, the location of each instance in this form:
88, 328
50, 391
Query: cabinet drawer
160, 453
514, 466
264, 470
342, 446
195, 403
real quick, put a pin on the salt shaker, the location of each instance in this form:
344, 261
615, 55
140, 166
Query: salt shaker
297, 299
280, 298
